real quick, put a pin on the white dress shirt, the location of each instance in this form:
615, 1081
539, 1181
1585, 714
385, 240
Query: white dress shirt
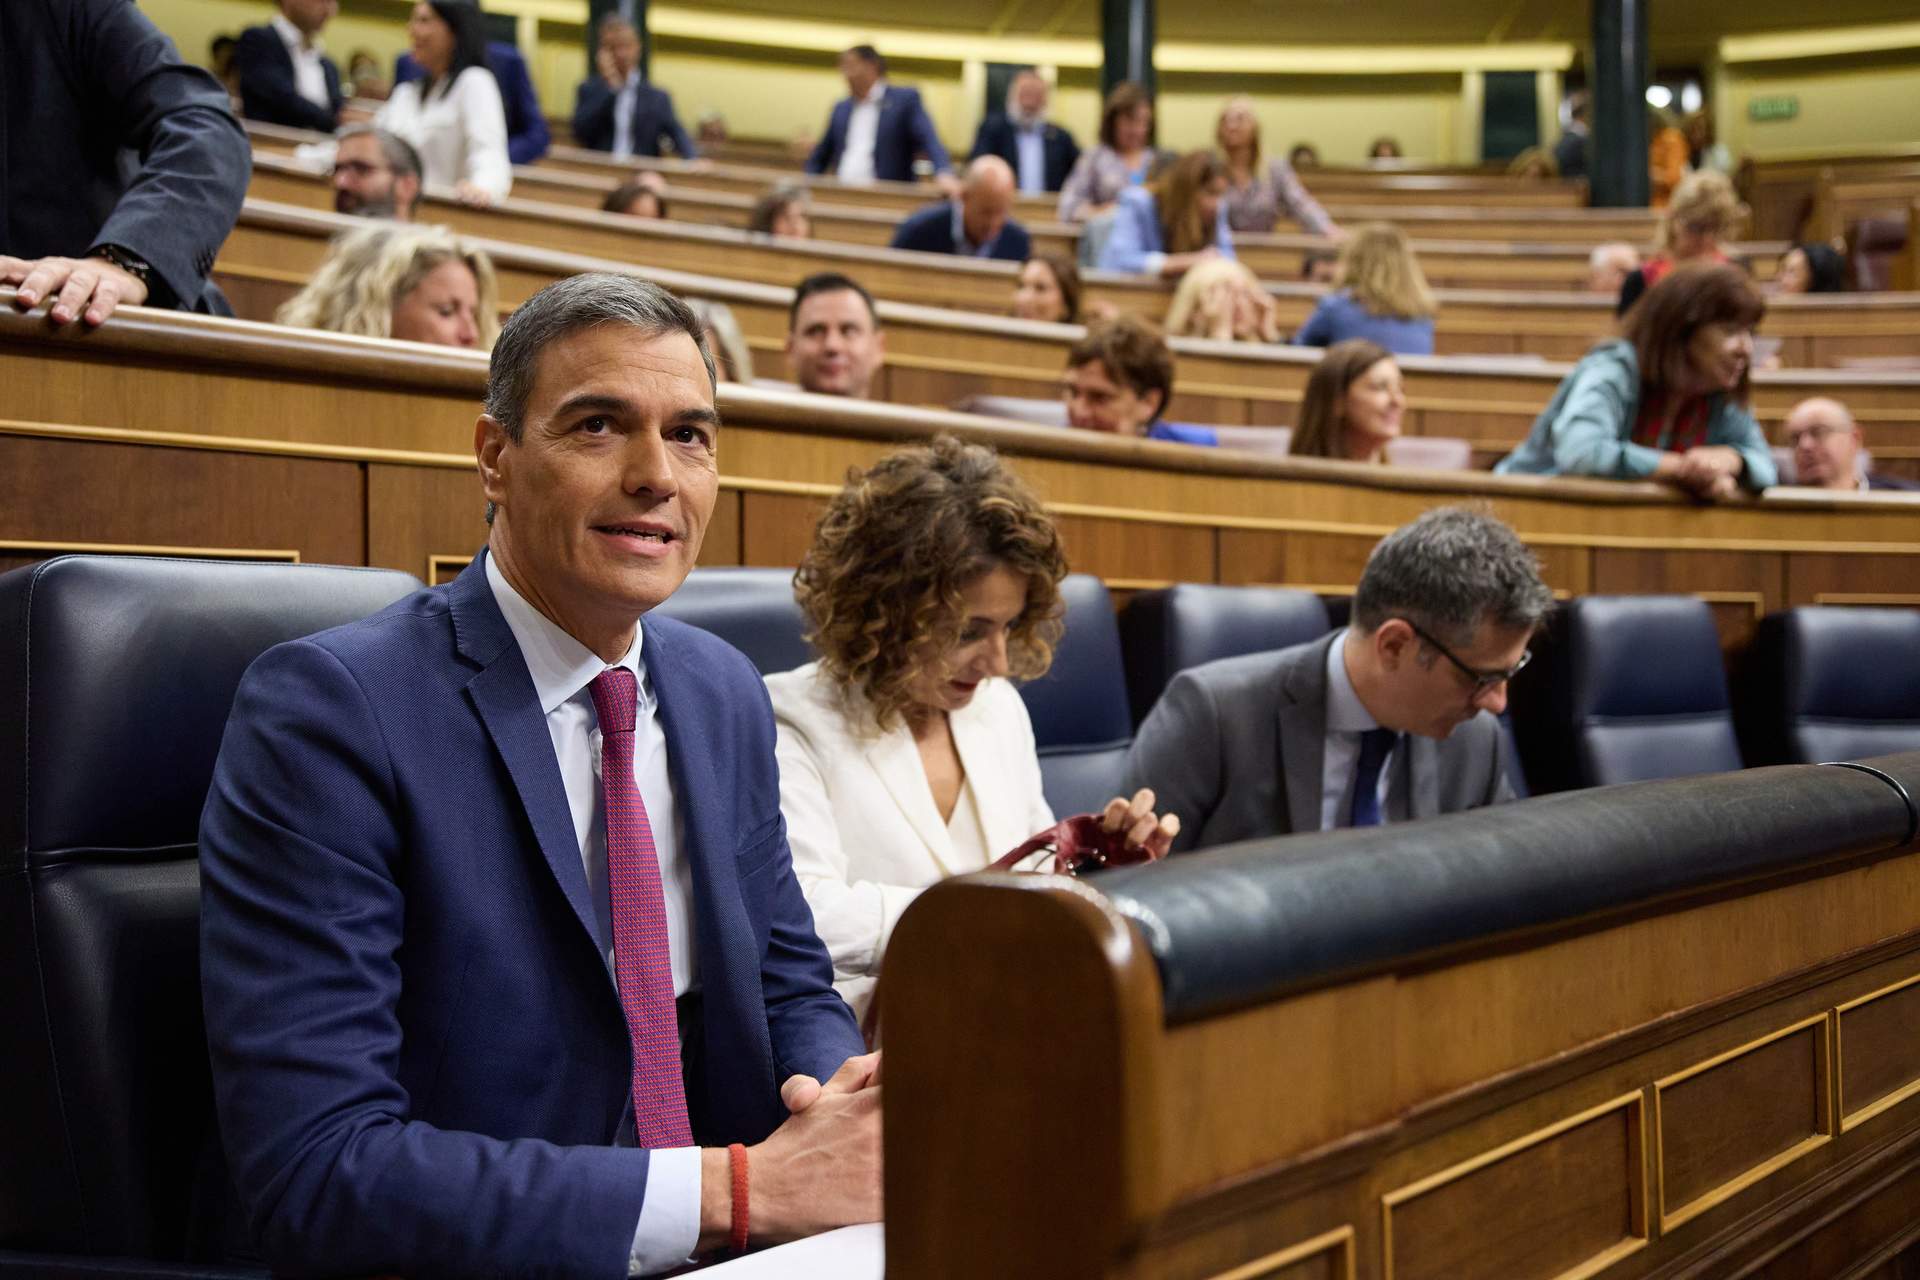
309, 77
1030, 145
623, 115
562, 669
863, 131
460, 132
1347, 719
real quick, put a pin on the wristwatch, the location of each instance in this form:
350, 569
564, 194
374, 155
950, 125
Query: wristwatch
128, 261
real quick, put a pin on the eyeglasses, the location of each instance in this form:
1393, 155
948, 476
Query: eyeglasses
1482, 680
358, 168
1816, 433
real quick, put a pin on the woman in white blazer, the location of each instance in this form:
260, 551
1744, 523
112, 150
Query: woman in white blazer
905, 754
453, 115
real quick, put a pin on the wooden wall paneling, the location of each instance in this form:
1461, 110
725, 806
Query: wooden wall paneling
417, 516
71, 493
777, 528
725, 533
1859, 578
1740, 586
1137, 554
1877, 1052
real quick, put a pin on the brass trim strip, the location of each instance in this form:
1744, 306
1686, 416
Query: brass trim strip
1886, 1101
1341, 1237
150, 549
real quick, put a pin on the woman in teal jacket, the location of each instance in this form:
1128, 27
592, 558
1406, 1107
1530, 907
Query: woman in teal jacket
1667, 400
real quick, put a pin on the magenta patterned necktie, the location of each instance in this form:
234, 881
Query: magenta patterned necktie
642, 963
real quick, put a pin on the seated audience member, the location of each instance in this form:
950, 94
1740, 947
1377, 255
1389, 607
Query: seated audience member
1380, 293
376, 174
1668, 399
782, 212
1039, 152
1667, 153
501, 945
222, 54
1119, 380
527, 134
1570, 153
1385, 148
1179, 219
711, 129
1221, 299
1048, 288
418, 284
641, 196
1391, 719
130, 173
284, 78
877, 130
1704, 151
1261, 189
1702, 213
976, 224
1353, 404
1811, 268
1535, 164
363, 74
1320, 268
1608, 267
453, 114
616, 109
834, 342
1826, 444
1123, 158
732, 358
1303, 155
905, 752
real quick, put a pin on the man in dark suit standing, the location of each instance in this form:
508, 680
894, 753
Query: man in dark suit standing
284, 78
878, 129
84, 83
505, 967
617, 110
1393, 718
976, 225
1040, 153
527, 134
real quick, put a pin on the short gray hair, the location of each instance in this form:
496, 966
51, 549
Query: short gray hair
394, 149
1449, 571
579, 302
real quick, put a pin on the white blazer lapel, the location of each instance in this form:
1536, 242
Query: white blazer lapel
897, 761
983, 746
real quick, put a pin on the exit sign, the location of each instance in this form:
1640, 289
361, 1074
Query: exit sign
1783, 106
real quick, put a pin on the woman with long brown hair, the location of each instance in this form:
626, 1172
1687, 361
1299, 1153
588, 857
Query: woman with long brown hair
1174, 222
1124, 158
1353, 404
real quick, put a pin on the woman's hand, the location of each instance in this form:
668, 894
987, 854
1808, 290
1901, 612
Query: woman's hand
468, 194
1144, 829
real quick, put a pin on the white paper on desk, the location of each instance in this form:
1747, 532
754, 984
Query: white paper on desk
851, 1253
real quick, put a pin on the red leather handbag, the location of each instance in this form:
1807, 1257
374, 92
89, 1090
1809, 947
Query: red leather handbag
1074, 846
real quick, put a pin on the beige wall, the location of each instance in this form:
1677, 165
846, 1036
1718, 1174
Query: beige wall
194, 23
1340, 116
1872, 102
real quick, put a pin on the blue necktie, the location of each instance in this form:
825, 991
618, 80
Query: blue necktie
1375, 746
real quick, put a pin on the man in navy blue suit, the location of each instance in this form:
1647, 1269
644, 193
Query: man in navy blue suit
505, 967
976, 225
122, 168
617, 110
1039, 151
527, 134
878, 130
284, 78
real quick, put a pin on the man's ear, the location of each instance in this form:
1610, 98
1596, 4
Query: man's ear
1158, 399
1394, 642
880, 343
492, 450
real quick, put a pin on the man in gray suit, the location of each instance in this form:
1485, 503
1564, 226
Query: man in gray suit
1390, 719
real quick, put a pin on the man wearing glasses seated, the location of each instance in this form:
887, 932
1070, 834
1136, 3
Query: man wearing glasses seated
1390, 719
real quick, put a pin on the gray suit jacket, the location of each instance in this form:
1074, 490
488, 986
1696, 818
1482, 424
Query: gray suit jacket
1235, 747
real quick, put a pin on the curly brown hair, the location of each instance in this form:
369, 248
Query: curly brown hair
881, 584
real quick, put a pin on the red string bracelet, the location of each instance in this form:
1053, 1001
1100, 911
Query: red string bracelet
737, 1157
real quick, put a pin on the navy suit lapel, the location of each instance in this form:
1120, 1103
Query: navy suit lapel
504, 696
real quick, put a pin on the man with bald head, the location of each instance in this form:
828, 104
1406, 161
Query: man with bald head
1826, 444
976, 225
1608, 267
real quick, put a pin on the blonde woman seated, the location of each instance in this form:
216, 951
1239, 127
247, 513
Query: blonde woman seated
1223, 300
1700, 218
394, 280
1379, 293
1353, 404
905, 754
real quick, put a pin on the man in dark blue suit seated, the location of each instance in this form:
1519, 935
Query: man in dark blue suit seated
1039, 151
878, 130
617, 110
284, 78
976, 225
527, 134
122, 168
505, 967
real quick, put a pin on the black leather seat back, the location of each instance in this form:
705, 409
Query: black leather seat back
116, 675
1830, 683
1163, 632
1081, 724
751, 609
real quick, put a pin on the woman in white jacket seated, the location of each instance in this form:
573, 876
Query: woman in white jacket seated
905, 754
453, 115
